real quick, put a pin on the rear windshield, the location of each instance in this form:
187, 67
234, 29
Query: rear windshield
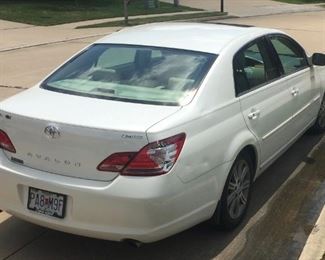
133, 73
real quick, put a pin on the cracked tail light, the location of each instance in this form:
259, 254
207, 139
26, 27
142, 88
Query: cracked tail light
154, 159
5, 142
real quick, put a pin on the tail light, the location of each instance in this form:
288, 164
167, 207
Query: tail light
5, 142
116, 162
154, 159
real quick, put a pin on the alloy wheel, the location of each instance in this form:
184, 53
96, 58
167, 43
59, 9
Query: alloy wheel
238, 189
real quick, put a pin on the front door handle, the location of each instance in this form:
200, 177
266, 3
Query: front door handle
295, 92
254, 114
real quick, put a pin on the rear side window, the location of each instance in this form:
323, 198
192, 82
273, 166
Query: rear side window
253, 66
291, 55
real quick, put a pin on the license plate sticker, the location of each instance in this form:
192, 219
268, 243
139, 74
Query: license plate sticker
46, 202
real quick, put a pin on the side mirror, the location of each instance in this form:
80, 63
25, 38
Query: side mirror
318, 59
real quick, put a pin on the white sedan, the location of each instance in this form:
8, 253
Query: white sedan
156, 128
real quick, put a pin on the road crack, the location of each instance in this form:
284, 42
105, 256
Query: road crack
16, 87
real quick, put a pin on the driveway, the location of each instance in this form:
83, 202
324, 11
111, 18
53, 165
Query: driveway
287, 198
307, 27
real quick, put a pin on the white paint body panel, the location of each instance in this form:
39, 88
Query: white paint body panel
215, 122
92, 129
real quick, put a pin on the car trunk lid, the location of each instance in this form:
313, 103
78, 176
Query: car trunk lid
71, 135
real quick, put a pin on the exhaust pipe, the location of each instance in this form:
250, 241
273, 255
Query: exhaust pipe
132, 242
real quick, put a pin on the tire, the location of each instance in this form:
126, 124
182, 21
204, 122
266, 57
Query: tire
319, 126
236, 194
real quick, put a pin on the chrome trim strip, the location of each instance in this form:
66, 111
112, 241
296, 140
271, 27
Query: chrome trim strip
302, 109
286, 146
277, 128
289, 119
316, 98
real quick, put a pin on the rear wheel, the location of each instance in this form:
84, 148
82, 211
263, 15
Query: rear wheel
236, 194
319, 125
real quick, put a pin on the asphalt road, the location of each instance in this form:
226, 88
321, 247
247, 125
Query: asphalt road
281, 215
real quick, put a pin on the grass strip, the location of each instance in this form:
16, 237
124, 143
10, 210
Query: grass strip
138, 21
53, 12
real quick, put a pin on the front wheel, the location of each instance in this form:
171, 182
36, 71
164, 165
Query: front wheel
237, 192
319, 126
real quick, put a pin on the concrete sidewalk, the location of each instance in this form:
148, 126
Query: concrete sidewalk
22, 37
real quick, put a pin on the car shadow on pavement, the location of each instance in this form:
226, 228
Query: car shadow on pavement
199, 242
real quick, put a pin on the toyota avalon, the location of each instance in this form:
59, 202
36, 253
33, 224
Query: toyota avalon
156, 128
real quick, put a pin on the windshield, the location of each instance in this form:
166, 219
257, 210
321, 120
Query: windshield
133, 73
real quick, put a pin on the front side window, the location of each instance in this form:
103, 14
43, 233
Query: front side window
253, 66
133, 73
291, 55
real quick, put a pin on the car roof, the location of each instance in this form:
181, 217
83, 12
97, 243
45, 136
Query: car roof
211, 38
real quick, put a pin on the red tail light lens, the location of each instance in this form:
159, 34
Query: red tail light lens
5, 142
154, 159
115, 162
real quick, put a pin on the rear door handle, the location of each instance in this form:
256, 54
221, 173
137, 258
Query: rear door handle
254, 114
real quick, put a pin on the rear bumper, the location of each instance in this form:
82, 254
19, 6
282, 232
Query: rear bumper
143, 209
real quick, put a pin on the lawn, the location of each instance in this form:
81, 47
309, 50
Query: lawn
51, 12
139, 21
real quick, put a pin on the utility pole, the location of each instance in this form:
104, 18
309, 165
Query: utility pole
126, 14
222, 6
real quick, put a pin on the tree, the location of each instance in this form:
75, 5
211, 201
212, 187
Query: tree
176, 3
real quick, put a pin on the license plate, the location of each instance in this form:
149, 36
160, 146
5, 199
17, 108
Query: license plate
46, 202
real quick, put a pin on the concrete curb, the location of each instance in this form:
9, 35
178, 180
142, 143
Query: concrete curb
315, 246
116, 19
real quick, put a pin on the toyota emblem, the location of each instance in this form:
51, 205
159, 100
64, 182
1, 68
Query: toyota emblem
52, 131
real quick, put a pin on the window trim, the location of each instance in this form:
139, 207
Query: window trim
276, 55
252, 42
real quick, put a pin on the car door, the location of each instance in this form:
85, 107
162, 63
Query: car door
300, 79
265, 98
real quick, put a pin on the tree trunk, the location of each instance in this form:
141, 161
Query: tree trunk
176, 3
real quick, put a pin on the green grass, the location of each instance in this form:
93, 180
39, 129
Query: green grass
138, 21
302, 1
51, 12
